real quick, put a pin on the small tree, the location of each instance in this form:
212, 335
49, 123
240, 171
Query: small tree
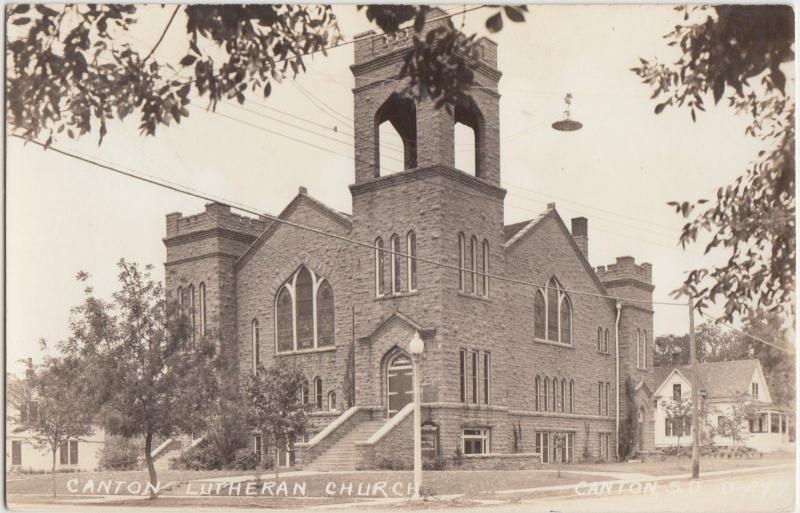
54, 401
150, 377
629, 430
274, 406
678, 411
734, 423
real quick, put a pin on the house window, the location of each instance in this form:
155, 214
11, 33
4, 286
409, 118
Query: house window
476, 441
474, 372
754, 387
487, 377
552, 314
16, 452
774, 423
380, 266
462, 273
676, 392
543, 446
571, 396
68, 453
485, 268
318, 393
331, 400
203, 322
411, 244
473, 253
304, 313
537, 390
255, 335
397, 263
462, 369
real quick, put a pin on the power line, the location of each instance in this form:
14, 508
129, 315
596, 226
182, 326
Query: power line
370, 246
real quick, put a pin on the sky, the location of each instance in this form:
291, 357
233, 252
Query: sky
619, 171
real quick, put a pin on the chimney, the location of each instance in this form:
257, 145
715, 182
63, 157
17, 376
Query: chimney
580, 232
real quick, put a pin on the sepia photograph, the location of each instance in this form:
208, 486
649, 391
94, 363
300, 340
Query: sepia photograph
400, 257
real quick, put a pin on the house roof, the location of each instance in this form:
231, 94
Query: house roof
718, 379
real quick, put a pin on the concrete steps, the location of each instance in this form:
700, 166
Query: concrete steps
342, 455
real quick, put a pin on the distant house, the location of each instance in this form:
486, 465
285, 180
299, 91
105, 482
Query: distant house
722, 384
23, 455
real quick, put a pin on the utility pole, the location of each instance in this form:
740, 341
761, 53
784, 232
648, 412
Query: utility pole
695, 385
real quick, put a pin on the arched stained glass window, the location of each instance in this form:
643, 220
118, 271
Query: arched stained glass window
546, 393
485, 268
255, 336
539, 316
397, 263
552, 311
563, 395
284, 320
462, 263
473, 252
566, 320
304, 299
318, 393
380, 268
411, 244
537, 390
555, 395
571, 396
203, 322
325, 317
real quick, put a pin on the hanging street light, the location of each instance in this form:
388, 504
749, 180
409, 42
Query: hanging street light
416, 346
567, 124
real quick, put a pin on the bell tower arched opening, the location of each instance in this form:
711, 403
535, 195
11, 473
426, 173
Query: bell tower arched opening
395, 128
468, 138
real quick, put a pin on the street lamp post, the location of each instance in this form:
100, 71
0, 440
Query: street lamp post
416, 346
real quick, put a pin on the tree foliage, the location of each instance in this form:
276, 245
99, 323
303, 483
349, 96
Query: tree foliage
738, 49
679, 412
733, 424
70, 70
274, 406
53, 404
148, 375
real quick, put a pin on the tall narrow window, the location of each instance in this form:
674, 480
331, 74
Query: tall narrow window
487, 377
606, 395
63, 454
473, 252
397, 263
380, 256
566, 321
304, 300
462, 369
331, 400
600, 339
325, 317
474, 373
256, 344
284, 321
318, 392
644, 349
304, 398
485, 268
638, 349
539, 316
192, 311
600, 398
462, 263
563, 395
571, 396
546, 393
537, 391
181, 300
203, 322
552, 311
605, 342
555, 395
73, 452
411, 246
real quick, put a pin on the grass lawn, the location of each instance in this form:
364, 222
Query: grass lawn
42, 483
671, 465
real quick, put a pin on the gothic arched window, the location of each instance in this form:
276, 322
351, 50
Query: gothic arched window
318, 393
304, 313
563, 398
600, 339
256, 344
397, 263
605, 342
411, 246
331, 400
325, 317
462, 273
473, 252
571, 396
552, 314
380, 266
644, 349
555, 395
485, 268
192, 310
546, 393
537, 390
203, 322
304, 392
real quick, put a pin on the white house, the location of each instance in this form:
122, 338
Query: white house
23, 455
722, 385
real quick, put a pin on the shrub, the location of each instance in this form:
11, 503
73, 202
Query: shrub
121, 453
203, 456
391, 463
427, 493
245, 459
437, 463
458, 459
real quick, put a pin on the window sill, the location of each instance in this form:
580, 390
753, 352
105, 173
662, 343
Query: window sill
306, 351
604, 353
551, 343
397, 295
474, 296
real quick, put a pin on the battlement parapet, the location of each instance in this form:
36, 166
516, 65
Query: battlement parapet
625, 269
216, 215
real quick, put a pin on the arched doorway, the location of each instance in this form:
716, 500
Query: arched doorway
399, 381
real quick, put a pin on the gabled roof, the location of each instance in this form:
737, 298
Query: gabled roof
718, 379
302, 197
538, 221
398, 317
510, 230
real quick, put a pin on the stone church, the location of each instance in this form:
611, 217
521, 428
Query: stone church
511, 371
